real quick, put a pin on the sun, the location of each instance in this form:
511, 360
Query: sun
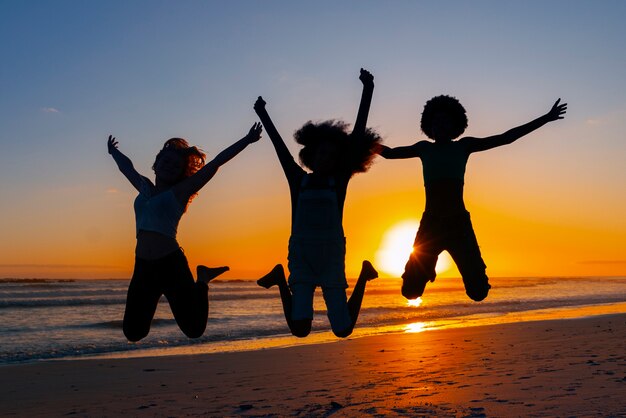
397, 245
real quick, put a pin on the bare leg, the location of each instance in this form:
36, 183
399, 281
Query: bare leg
277, 277
356, 298
206, 274
299, 328
368, 272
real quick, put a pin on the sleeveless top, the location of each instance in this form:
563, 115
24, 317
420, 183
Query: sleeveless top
157, 212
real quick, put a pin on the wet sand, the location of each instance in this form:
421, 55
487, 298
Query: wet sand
574, 367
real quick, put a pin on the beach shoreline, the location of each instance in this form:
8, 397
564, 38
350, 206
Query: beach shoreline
539, 368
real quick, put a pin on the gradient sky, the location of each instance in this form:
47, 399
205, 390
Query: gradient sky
72, 72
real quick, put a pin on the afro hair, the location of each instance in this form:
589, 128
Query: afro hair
448, 105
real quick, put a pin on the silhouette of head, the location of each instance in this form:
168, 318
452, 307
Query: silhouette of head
177, 160
443, 118
328, 148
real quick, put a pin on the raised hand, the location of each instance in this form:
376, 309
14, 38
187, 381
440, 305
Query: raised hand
112, 144
366, 78
557, 111
259, 104
254, 134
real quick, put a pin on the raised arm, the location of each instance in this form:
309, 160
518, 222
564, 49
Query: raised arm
284, 156
483, 144
124, 163
191, 185
366, 100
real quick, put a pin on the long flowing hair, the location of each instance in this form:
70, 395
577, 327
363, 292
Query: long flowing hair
193, 156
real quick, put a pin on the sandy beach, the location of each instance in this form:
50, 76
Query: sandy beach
573, 367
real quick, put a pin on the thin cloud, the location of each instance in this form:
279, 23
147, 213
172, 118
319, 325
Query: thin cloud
616, 116
50, 110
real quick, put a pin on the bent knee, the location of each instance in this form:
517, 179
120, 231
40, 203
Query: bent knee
134, 334
193, 329
343, 333
300, 333
478, 294
194, 333
300, 328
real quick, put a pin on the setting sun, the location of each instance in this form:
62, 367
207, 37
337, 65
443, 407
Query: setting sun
414, 303
397, 245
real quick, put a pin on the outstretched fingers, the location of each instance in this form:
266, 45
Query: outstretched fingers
111, 143
558, 110
255, 132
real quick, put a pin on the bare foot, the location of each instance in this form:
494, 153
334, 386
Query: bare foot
273, 277
368, 272
206, 274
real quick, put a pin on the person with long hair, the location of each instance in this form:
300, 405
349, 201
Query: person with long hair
161, 267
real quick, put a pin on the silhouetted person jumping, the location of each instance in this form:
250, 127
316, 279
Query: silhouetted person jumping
446, 224
317, 246
161, 267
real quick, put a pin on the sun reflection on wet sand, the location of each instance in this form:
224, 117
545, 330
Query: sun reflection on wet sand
415, 327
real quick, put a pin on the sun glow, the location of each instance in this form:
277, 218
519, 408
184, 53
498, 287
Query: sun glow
397, 246
415, 327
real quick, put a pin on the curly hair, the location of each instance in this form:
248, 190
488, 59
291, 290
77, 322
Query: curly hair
355, 155
448, 105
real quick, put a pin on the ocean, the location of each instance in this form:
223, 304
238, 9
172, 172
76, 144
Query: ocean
46, 319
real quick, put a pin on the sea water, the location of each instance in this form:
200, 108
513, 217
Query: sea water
43, 319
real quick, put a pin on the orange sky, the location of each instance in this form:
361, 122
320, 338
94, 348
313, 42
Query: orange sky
551, 204
520, 233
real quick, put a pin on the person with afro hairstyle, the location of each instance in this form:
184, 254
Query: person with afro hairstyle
161, 267
317, 246
445, 223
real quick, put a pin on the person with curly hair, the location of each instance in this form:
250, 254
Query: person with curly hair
317, 246
161, 267
445, 223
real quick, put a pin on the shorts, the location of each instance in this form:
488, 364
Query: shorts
336, 305
454, 234
318, 262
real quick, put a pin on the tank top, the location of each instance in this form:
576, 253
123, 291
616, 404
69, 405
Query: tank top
157, 212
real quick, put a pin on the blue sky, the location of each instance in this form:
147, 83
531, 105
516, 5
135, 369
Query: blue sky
73, 72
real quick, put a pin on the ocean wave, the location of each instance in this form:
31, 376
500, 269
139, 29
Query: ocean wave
121, 300
62, 293
46, 303
118, 323
36, 281
120, 345
384, 315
